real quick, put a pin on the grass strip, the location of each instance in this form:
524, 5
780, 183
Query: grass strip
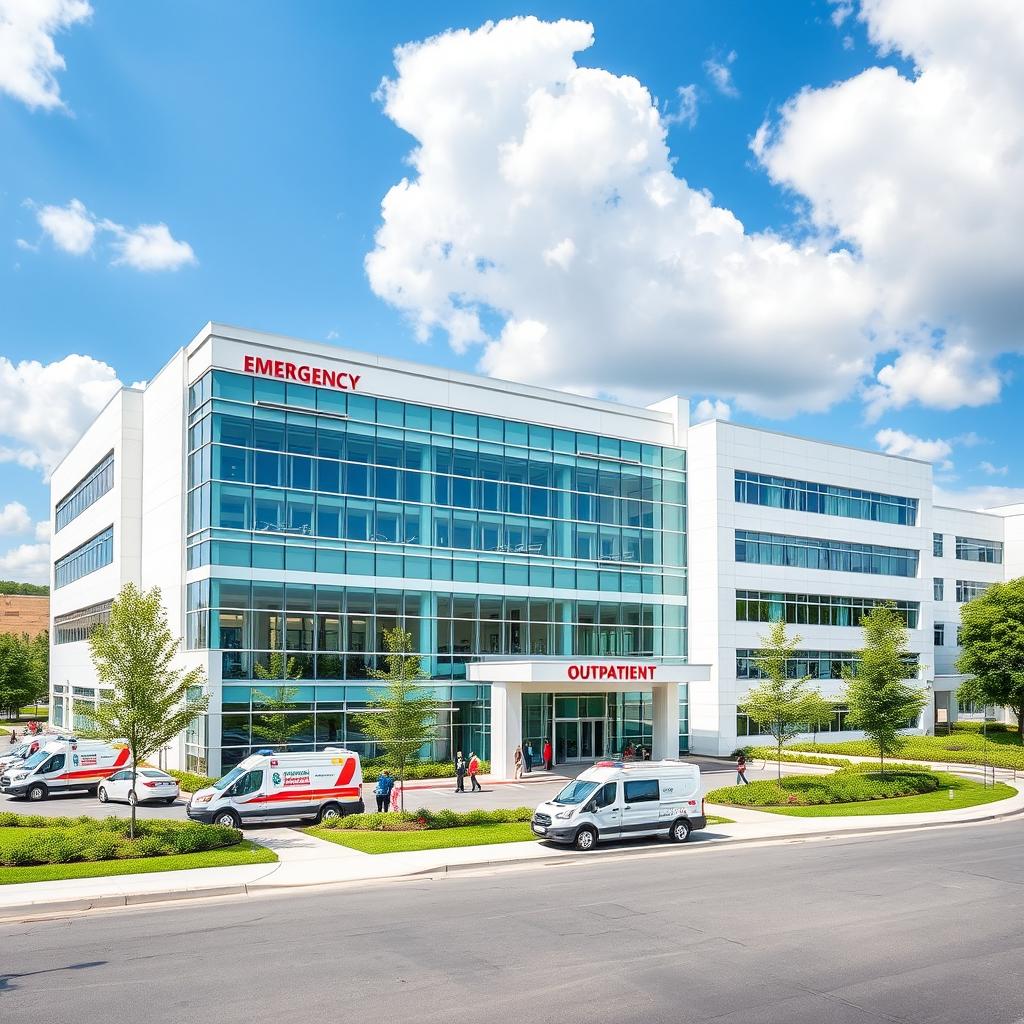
966, 793
245, 852
426, 839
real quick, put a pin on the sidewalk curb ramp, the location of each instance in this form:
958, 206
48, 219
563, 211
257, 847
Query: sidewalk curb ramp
60, 908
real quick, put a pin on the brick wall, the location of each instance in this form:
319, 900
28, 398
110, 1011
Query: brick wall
20, 613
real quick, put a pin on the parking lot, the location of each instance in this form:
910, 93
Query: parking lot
436, 797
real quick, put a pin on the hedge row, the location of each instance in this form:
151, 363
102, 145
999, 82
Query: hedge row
770, 755
189, 782
960, 747
40, 840
844, 786
403, 821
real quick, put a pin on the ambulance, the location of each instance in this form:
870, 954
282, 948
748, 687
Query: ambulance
624, 800
271, 786
65, 765
11, 758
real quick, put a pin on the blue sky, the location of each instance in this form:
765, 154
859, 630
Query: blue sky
256, 136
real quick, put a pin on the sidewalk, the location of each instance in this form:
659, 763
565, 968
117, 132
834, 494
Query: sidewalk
306, 861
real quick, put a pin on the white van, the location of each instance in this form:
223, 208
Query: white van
616, 800
65, 765
275, 787
14, 755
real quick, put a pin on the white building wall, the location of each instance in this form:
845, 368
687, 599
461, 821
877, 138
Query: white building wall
717, 450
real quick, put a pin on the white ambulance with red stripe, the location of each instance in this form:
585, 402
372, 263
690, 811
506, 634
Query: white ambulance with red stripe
271, 786
65, 765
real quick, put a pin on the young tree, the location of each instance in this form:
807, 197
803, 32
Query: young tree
16, 674
39, 653
782, 706
992, 639
880, 700
279, 727
404, 717
134, 652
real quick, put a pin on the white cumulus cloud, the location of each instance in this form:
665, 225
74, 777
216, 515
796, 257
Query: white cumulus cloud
74, 229
710, 409
989, 469
45, 407
923, 175
897, 442
980, 498
26, 563
29, 60
686, 107
719, 70
14, 518
543, 198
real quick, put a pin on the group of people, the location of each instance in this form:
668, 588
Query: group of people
470, 768
387, 794
524, 755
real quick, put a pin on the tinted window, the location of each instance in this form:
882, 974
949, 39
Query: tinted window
605, 795
575, 793
121, 777
640, 790
54, 764
250, 783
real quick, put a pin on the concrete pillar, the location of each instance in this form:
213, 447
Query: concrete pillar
506, 727
665, 714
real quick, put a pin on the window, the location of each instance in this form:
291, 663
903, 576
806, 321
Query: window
937, 545
970, 549
968, 590
940, 634
249, 783
823, 499
814, 553
605, 795
54, 764
937, 588
87, 558
86, 492
75, 626
815, 609
812, 664
638, 791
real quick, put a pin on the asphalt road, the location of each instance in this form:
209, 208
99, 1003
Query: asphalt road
918, 927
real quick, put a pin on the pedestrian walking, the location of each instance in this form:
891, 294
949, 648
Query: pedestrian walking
396, 797
460, 773
517, 759
382, 791
547, 755
741, 770
528, 757
14, 738
474, 768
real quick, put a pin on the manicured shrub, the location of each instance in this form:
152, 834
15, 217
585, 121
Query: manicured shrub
849, 785
190, 782
65, 840
423, 818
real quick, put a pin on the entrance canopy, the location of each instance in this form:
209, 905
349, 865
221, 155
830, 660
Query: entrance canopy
510, 678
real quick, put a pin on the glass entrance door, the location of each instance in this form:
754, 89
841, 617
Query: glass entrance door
567, 741
591, 738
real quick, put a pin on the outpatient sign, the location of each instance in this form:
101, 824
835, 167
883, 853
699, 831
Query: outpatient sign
598, 672
318, 376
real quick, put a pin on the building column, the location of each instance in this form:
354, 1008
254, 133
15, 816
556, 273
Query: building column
506, 727
665, 714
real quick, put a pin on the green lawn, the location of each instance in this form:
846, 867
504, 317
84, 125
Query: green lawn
960, 747
426, 839
966, 793
244, 853
717, 819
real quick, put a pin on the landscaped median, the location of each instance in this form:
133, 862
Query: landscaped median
862, 789
39, 849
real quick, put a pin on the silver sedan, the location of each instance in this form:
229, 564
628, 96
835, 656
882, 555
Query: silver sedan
150, 785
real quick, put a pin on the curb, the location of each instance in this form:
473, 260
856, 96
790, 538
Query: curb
55, 908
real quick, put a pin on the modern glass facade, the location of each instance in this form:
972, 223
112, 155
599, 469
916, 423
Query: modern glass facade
86, 492
75, 626
815, 609
426, 518
824, 499
970, 549
94, 554
814, 553
811, 664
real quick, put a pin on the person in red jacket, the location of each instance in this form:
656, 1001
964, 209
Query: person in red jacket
474, 768
547, 755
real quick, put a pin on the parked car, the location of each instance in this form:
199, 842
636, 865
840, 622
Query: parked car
148, 785
615, 800
270, 786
